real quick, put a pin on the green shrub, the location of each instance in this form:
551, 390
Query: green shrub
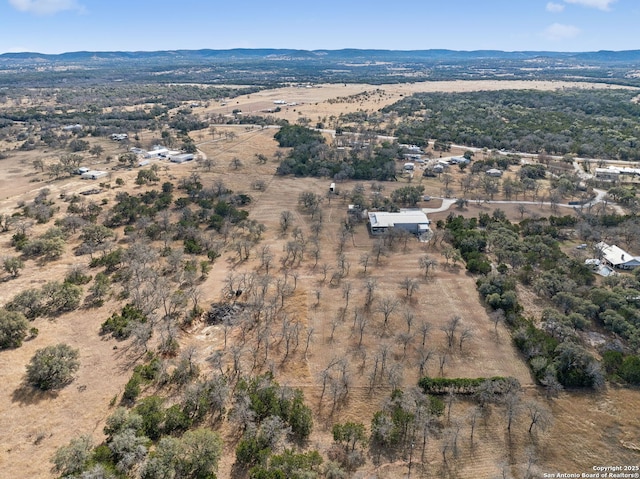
132, 389
53, 367
119, 325
630, 370
13, 328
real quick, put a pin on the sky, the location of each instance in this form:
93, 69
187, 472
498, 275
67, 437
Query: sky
57, 26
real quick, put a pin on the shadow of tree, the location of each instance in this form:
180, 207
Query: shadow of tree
27, 395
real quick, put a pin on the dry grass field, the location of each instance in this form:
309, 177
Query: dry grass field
325, 100
589, 429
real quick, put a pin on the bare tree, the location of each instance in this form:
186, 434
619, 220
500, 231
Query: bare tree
315, 252
365, 258
370, 288
427, 264
538, 414
425, 329
346, 293
522, 209
408, 318
473, 416
450, 329
424, 356
236, 163
325, 270
497, 317
443, 357
379, 249
551, 384
334, 325
343, 265
286, 220
512, 407
404, 339
465, 335
362, 320
387, 306
410, 286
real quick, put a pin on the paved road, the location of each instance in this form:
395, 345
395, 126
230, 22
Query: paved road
447, 203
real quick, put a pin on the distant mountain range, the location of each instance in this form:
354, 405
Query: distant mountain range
604, 56
268, 66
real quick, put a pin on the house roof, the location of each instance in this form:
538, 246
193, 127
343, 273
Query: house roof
383, 219
616, 255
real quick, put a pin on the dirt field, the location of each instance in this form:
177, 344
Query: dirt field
589, 429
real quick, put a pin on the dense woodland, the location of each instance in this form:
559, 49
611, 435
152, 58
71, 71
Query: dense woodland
592, 124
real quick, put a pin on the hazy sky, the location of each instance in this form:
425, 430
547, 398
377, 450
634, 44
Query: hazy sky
55, 26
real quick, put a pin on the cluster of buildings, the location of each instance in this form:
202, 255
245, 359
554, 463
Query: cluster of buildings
159, 152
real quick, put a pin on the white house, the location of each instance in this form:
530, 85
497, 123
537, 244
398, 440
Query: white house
617, 257
414, 221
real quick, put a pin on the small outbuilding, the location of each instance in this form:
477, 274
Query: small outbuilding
182, 158
459, 160
93, 175
494, 172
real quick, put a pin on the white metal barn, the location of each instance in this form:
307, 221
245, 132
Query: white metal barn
414, 221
